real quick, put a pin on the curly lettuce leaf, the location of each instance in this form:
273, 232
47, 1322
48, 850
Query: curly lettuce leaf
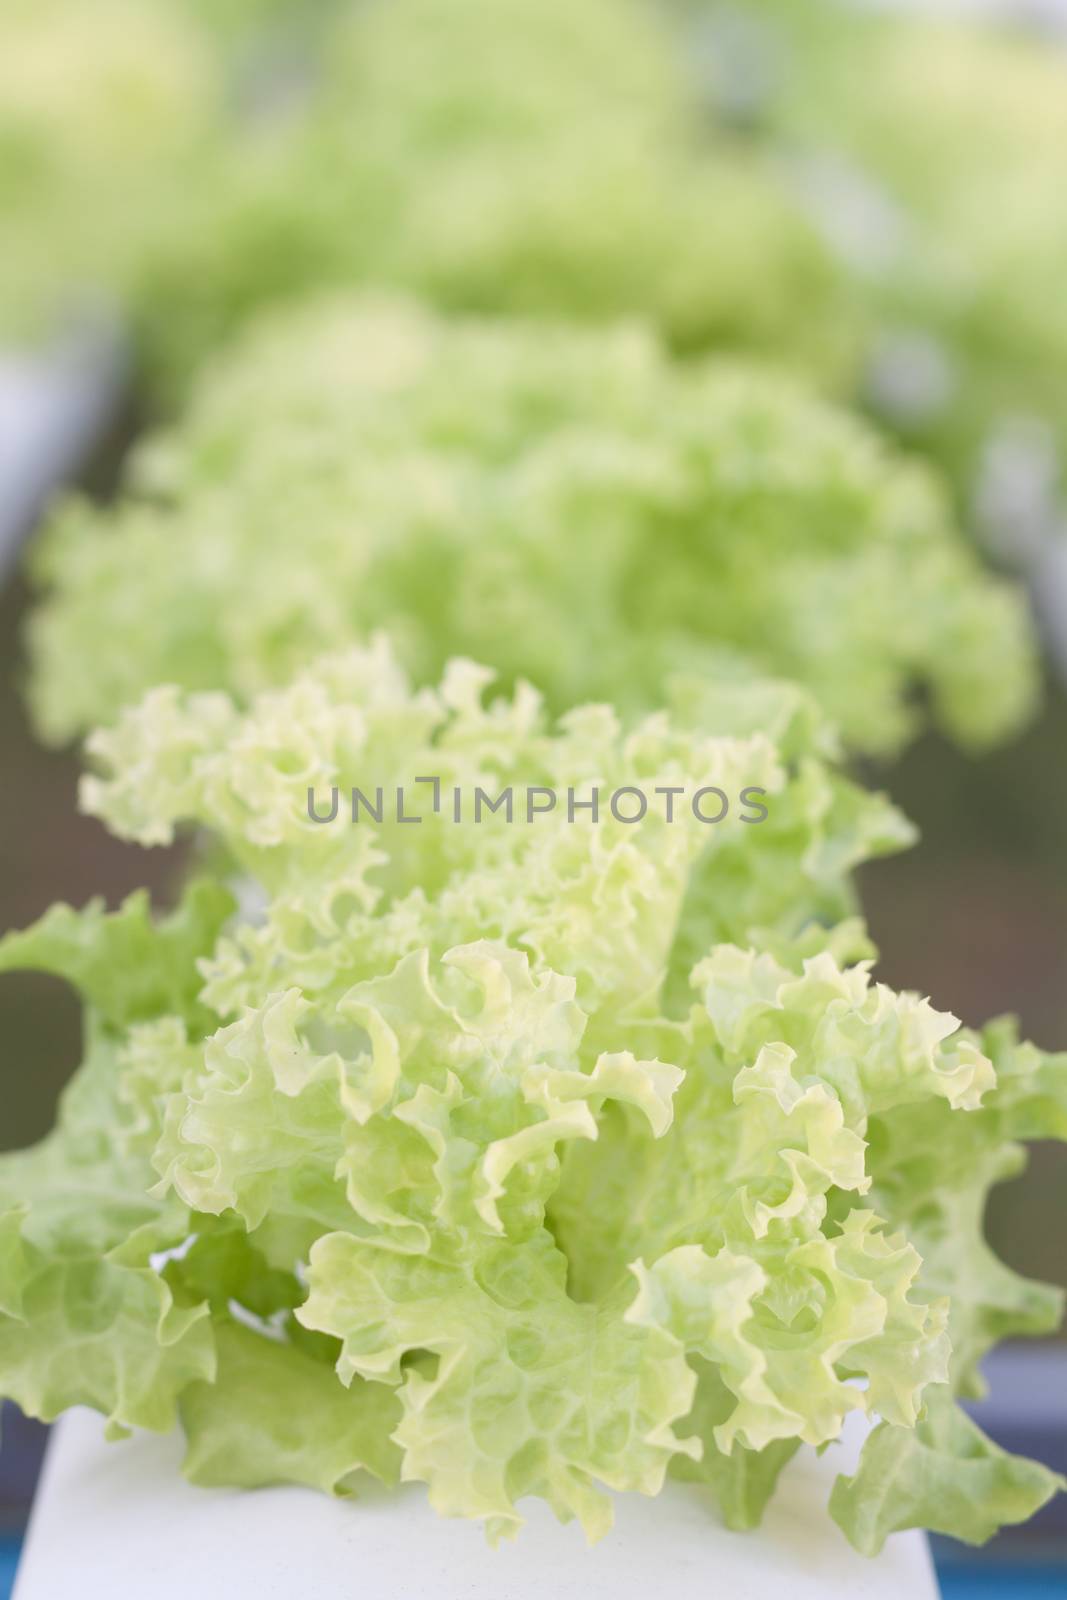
617, 905
87, 1320
311, 1432
530, 1392
127, 966
944, 1474
743, 1482
935, 1173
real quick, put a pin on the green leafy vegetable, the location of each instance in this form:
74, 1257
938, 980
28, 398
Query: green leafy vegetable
102, 109
910, 133
569, 505
468, 1179
192, 163
520, 156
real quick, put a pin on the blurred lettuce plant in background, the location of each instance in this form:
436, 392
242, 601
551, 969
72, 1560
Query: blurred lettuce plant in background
507, 157
932, 151
817, 182
568, 504
101, 107
513, 156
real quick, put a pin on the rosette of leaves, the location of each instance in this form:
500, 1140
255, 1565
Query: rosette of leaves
567, 504
444, 1160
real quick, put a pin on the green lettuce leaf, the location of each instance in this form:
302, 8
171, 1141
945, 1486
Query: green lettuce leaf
87, 1319
310, 1433
126, 966
944, 1474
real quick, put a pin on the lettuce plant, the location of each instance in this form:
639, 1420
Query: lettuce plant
980, 127
190, 163
517, 1158
117, 121
101, 107
518, 155
567, 504
926, 129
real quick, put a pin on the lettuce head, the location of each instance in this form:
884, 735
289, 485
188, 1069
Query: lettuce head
569, 504
102, 110
504, 156
908, 135
535, 1155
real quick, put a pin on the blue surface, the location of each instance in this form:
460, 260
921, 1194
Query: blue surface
9, 1560
1010, 1583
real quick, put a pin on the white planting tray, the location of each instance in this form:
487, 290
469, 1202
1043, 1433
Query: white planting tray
117, 1522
